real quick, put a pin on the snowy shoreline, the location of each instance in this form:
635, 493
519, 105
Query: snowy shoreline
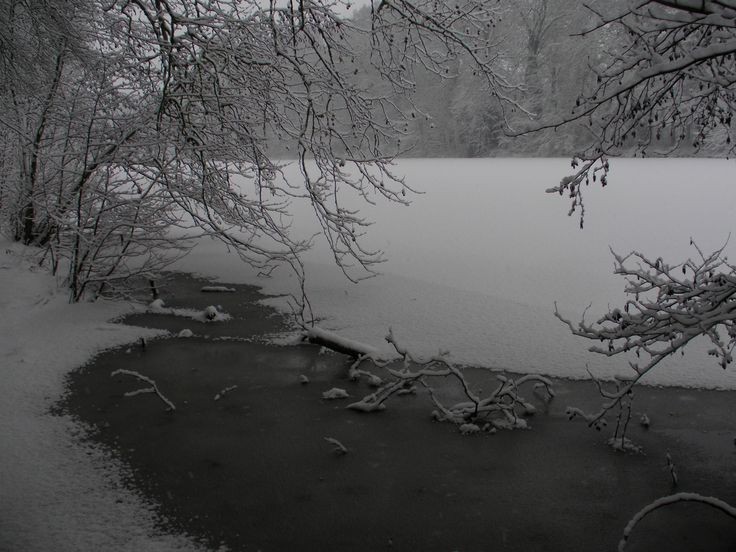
60, 493
478, 329
237, 455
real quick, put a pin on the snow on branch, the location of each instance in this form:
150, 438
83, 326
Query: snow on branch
338, 448
225, 391
666, 83
672, 499
500, 409
595, 169
152, 389
667, 307
338, 343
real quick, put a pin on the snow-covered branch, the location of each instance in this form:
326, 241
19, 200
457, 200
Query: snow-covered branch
224, 392
153, 388
331, 340
338, 448
665, 82
716, 503
503, 408
667, 307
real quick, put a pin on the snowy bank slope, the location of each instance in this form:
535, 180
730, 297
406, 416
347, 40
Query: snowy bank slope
56, 494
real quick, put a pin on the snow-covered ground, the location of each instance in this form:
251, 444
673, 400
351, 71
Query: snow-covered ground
56, 493
477, 262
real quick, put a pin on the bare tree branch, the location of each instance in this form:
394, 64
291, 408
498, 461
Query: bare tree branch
667, 307
667, 83
159, 115
664, 501
503, 408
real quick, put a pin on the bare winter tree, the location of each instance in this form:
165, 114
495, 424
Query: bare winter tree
140, 116
668, 85
665, 85
553, 61
538, 19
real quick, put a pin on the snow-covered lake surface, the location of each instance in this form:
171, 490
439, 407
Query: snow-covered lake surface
477, 261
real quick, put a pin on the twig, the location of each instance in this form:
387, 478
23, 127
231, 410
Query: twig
152, 389
671, 468
225, 391
339, 448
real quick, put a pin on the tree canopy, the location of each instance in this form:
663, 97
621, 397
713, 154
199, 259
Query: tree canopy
663, 85
125, 120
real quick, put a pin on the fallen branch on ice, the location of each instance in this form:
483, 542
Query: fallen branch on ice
152, 389
340, 344
356, 373
716, 503
671, 468
499, 410
225, 391
339, 448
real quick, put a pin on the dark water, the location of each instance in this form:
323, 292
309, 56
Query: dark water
252, 469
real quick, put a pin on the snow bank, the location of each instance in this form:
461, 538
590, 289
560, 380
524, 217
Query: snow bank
209, 314
335, 393
59, 494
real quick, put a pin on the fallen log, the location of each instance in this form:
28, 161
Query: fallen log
339, 344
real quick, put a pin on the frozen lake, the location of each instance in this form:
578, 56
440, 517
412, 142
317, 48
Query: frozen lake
477, 261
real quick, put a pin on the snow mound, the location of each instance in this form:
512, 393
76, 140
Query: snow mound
469, 429
335, 393
217, 289
209, 314
157, 305
370, 403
